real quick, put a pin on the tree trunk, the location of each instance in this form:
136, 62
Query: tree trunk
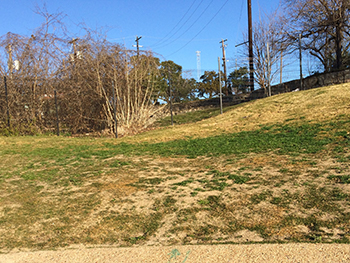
338, 46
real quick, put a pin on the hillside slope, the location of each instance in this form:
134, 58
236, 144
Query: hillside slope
272, 170
314, 105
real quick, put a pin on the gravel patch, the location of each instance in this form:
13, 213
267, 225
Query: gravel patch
189, 254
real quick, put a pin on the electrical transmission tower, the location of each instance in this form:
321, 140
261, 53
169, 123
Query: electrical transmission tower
198, 65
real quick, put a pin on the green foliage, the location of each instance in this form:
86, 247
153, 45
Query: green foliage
170, 75
209, 85
239, 80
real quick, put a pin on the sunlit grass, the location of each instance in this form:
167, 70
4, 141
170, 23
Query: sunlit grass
283, 178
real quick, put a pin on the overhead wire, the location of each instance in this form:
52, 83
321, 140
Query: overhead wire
191, 24
195, 10
200, 30
188, 10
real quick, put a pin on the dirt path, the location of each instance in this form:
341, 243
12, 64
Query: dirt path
190, 254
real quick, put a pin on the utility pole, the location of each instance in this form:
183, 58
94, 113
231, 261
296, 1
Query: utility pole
170, 98
57, 118
137, 45
301, 64
10, 62
7, 103
115, 111
250, 39
73, 42
268, 69
224, 62
281, 67
220, 85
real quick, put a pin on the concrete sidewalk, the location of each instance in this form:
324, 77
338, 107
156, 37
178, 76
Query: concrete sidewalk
189, 254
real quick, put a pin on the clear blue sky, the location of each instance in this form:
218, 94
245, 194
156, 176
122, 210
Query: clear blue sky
173, 29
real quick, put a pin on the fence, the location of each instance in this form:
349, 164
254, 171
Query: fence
310, 82
30, 106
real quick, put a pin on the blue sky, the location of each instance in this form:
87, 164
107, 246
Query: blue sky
175, 30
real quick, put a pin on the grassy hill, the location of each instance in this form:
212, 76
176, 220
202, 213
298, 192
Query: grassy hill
272, 170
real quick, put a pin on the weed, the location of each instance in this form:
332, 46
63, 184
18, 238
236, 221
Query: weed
151, 191
342, 179
238, 179
145, 182
169, 201
203, 202
284, 170
257, 198
185, 182
119, 163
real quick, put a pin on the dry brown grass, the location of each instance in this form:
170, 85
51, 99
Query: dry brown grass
314, 105
126, 199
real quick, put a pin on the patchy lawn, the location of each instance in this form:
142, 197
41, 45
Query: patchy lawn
282, 181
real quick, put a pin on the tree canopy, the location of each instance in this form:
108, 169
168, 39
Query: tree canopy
324, 26
239, 80
170, 77
210, 84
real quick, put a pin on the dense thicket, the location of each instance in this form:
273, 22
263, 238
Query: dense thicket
89, 74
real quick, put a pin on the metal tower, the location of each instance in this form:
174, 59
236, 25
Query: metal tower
198, 65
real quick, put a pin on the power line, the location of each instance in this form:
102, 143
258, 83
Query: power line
190, 25
161, 41
200, 30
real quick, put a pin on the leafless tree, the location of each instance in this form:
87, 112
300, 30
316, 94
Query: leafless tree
268, 47
30, 64
89, 75
324, 26
83, 70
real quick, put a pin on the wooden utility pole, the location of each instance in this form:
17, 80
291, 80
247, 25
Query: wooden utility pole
220, 85
281, 67
224, 62
7, 103
301, 64
115, 111
75, 54
57, 118
250, 39
74, 44
268, 69
10, 62
137, 45
170, 98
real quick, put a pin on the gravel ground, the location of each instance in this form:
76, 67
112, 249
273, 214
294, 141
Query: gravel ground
202, 253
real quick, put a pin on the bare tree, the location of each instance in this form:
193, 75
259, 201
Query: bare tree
31, 65
83, 71
268, 47
324, 25
92, 71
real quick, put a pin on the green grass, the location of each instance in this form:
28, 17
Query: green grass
272, 181
282, 139
190, 117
